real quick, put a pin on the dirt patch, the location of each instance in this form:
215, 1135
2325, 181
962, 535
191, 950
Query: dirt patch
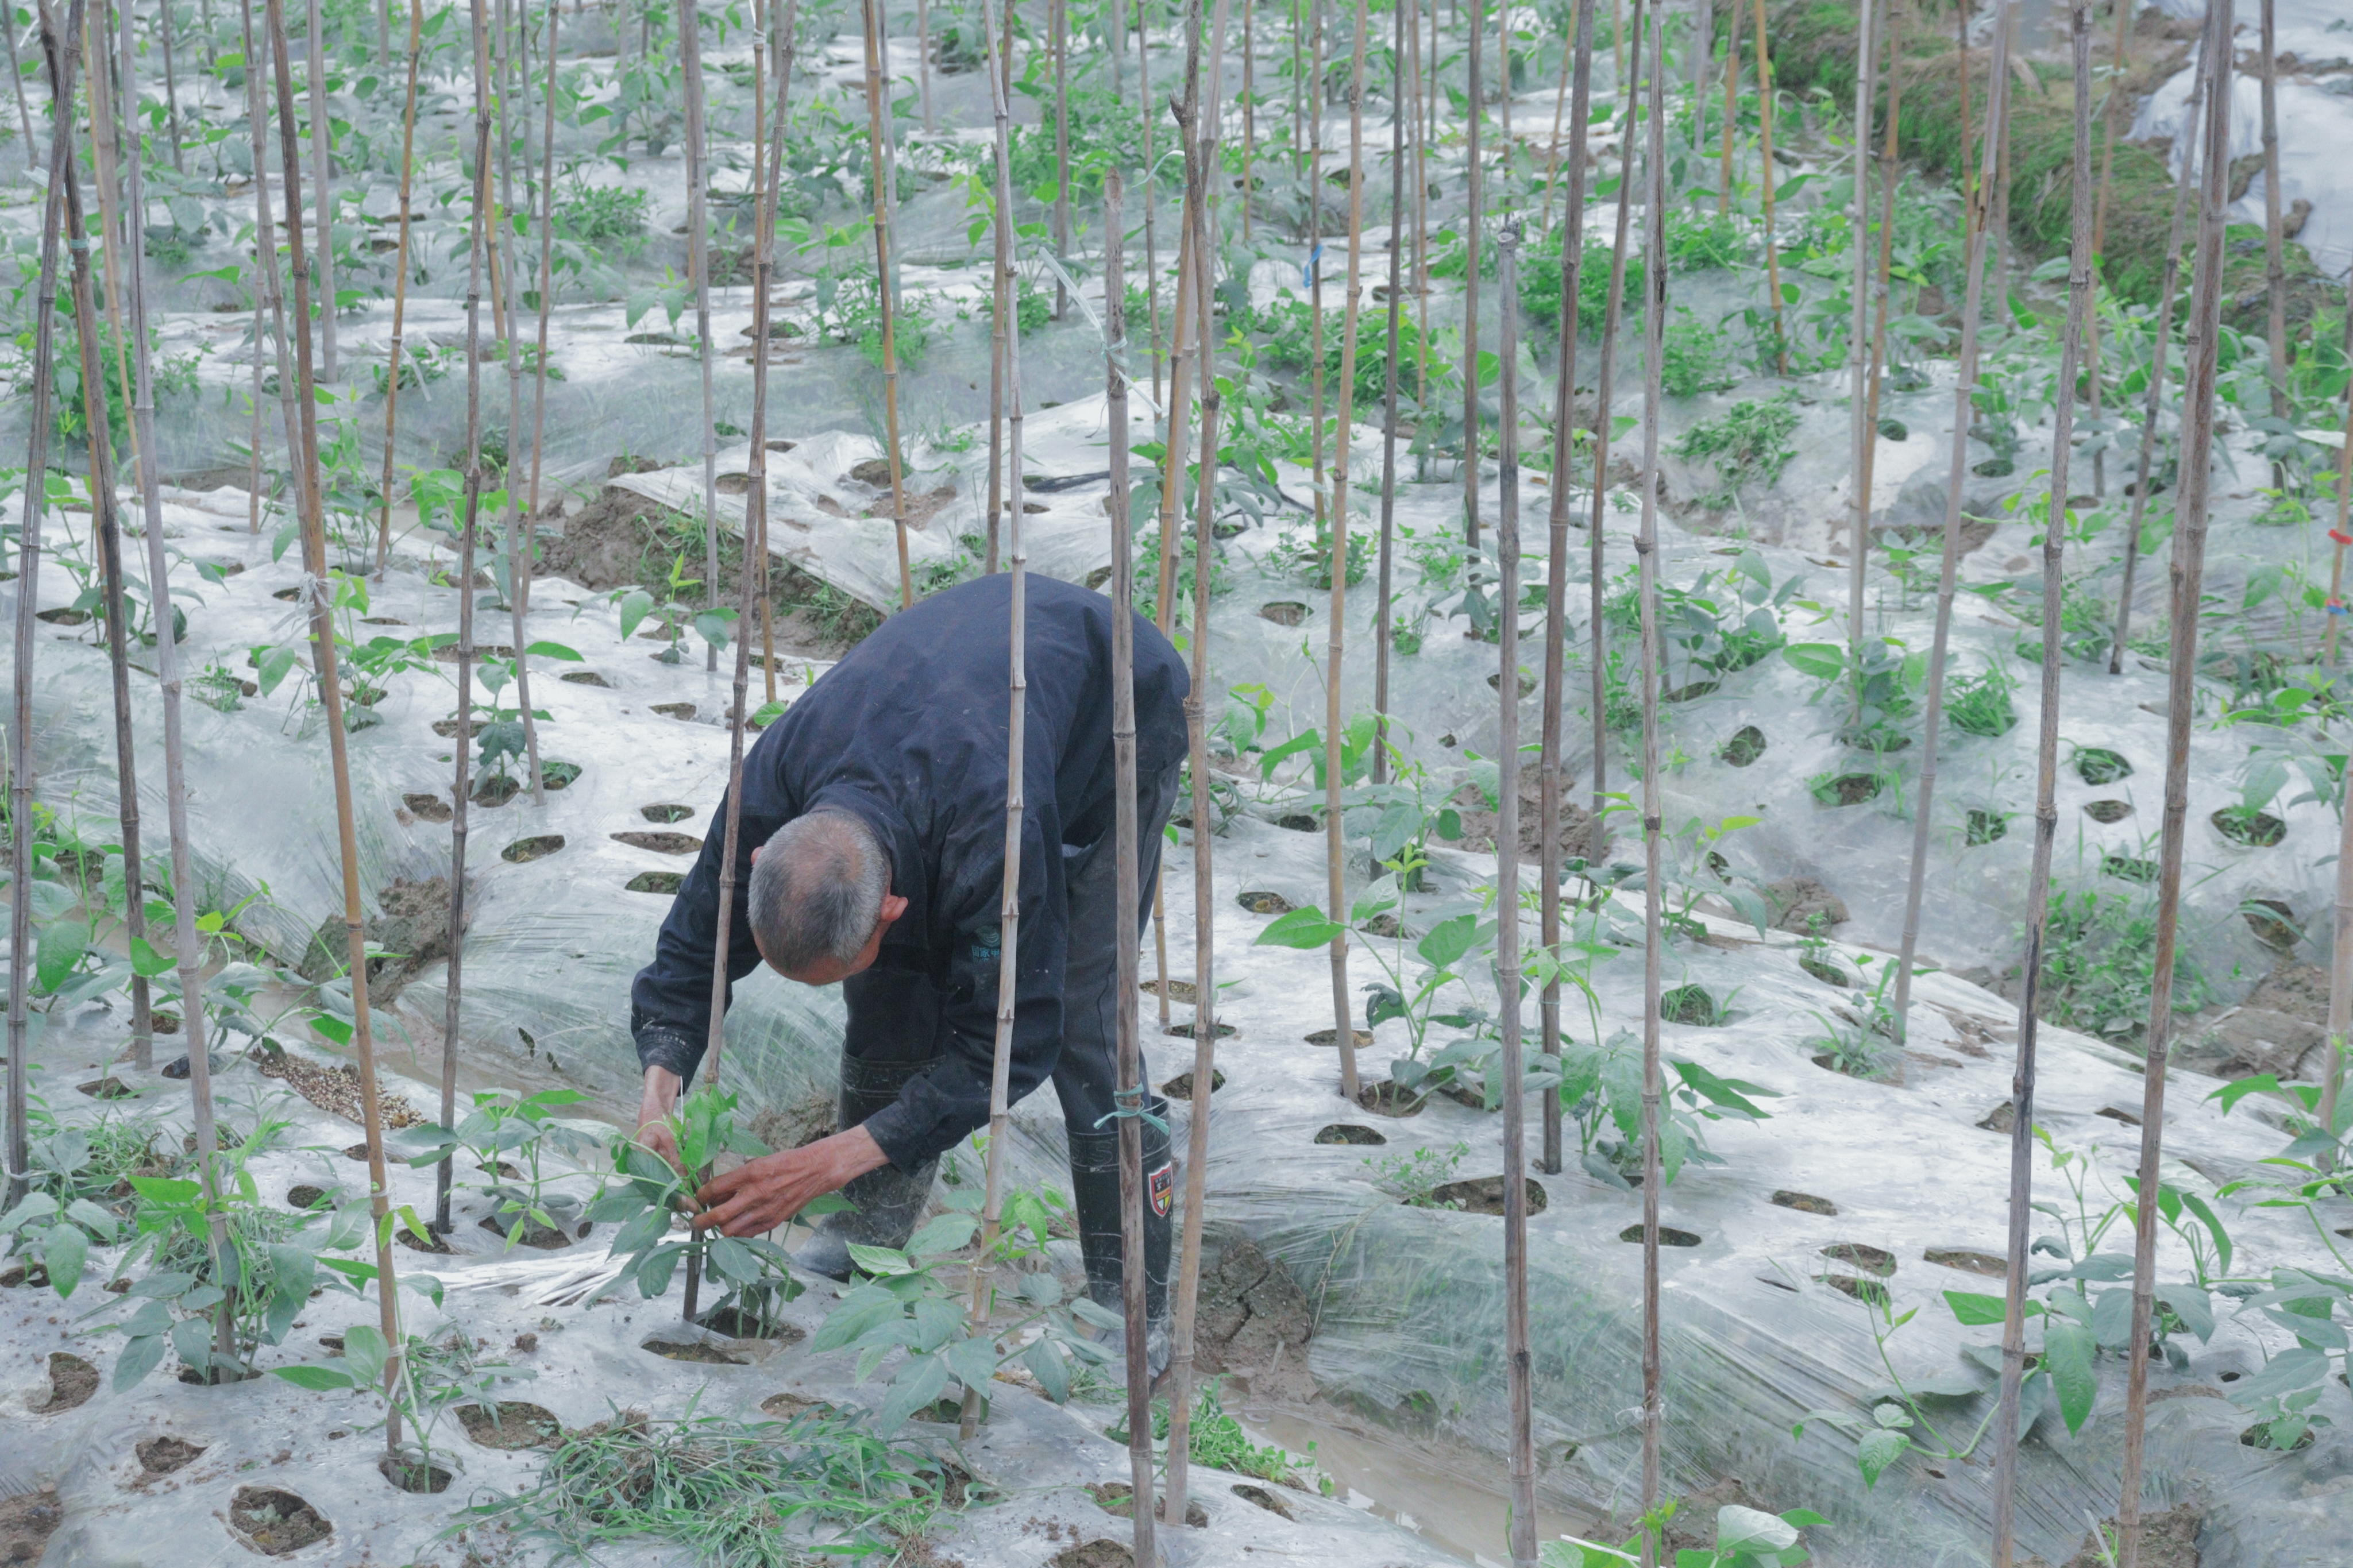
511, 1424
660, 843
1253, 1323
1388, 1098
1284, 613
275, 1522
1347, 1133
72, 1381
1693, 1529
2168, 1540
1578, 838
1484, 1194
336, 1088
413, 1475
1181, 1086
1802, 905
304, 1196
655, 883
1097, 1553
1861, 1255
1118, 1499
27, 1523
735, 1323
1747, 744
2107, 810
1968, 1262
1804, 1203
162, 1456
1668, 1236
1363, 1038
785, 1406
409, 932
2298, 990
1185, 1031
523, 851
691, 1350
108, 1087
546, 1238
665, 811
586, 677
800, 1124
1264, 903
427, 807
1179, 990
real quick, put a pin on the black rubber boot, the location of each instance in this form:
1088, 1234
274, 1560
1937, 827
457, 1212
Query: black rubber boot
1094, 1186
889, 1200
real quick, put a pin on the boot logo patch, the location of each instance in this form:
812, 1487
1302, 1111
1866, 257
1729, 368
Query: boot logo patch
1164, 1188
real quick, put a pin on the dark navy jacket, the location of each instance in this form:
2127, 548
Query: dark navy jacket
909, 733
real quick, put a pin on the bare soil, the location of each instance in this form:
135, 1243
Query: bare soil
275, 1522
162, 1456
72, 1381
1253, 1324
27, 1523
1118, 1499
1578, 838
513, 1423
336, 1088
1484, 1194
1097, 1553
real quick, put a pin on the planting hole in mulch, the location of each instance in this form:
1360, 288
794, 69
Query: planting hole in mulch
2108, 810
1118, 1499
495, 790
2118, 1113
675, 709
1870, 1259
1300, 822
1804, 1203
1982, 827
1097, 1553
1691, 693
1181, 1086
1691, 1004
2002, 1118
1185, 1031
108, 1087
162, 1456
655, 883
77, 618
692, 1349
1870, 1292
72, 1381
2098, 765
536, 848
412, 1476
18, 1275
586, 677
1350, 1132
1261, 1498
2273, 923
1862, 1072
733, 1322
785, 1406
1284, 612
1829, 974
1179, 990
1527, 682
660, 843
511, 1423
408, 1239
27, 1523
431, 807
447, 728
1388, 1098
546, 1238
274, 1521
1847, 789
356, 1151
1484, 1194
1364, 1039
1668, 1236
1967, 1261
1264, 903
665, 811
1747, 744
305, 1196
2129, 868
2259, 1436
2256, 830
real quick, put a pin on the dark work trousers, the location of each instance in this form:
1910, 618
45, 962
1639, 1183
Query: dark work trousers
894, 1018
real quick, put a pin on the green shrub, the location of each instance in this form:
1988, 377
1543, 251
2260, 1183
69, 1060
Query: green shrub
1540, 271
1749, 441
1694, 357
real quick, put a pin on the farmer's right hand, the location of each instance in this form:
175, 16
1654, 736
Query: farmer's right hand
653, 1115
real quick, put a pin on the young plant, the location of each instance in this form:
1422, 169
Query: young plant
1414, 1179
1600, 1088
1749, 443
438, 1374
510, 1137
673, 612
1745, 1538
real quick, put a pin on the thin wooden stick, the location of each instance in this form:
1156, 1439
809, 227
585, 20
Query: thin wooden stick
171, 88
266, 311
114, 222
1250, 115
2342, 534
400, 279
1008, 924
876, 109
1336, 855
698, 265
547, 267
17, 79
1516, 1361
315, 55
2119, 61
1731, 103
1382, 611
1980, 231
1472, 220
1646, 552
2153, 398
519, 546
1604, 384
1766, 181
2082, 285
2200, 355
1550, 785
923, 60
1861, 435
1892, 173
2274, 247
1559, 108
304, 444
1057, 44
29, 603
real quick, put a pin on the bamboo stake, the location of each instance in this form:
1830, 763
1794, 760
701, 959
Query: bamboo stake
17, 79
1731, 103
2082, 285
171, 88
1604, 384
698, 265
2342, 534
2119, 62
1892, 173
400, 279
999, 67
1382, 611
923, 61
28, 567
547, 267
1560, 107
1555, 676
1058, 42
2153, 398
1980, 233
2200, 356
305, 445
1201, 133
1151, 245
2275, 260
266, 307
461, 747
116, 217
1764, 132
876, 109
1517, 1365
519, 543
1646, 552
1470, 296
1861, 434
1250, 115
315, 51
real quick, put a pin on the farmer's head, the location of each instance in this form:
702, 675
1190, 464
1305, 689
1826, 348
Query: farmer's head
821, 899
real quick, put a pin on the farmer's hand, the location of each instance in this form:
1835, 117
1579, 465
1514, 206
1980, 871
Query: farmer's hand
653, 1115
760, 1194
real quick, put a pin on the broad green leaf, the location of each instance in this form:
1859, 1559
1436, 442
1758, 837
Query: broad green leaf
860, 1310
65, 1253
919, 1383
61, 945
2068, 1354
937, 1321
139, 1357
974, 1362
315, 1376
365, 1348
1302, 929
552, 650
1819, 660
1751, 1530
1973, 1309
880, 1259
942, 1233
1045, 1363
1448, 940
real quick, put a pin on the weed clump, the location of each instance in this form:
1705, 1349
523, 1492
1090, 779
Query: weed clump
1749, 443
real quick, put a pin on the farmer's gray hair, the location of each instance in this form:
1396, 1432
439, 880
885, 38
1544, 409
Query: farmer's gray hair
817, 890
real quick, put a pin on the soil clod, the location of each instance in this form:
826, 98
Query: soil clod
1181, 1086
162, 1456
1264, 903
691, 1350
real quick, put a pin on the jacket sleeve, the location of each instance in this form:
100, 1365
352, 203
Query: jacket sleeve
950, 1102
669, 1001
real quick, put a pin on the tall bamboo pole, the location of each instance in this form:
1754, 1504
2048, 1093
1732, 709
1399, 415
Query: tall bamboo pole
115, 216
2119, 61
547, 265
16, 80
29, 603
1559, 108
1471, 221
1646, 549
2153, 398
266, 308
2274, 247
399, 280
2201, 354
1860, 432
1605, 384
1980, 231
999, 66
877, 108
461, 742
304, 444
698, 265
510, 280
170, 87
315, 52
1198, 124
2082, 284
1731, 104
1250, 115
1555, 674
1766, 181
924, 61
1892, 175
2342, 534
1516, 1361
1058, 42
1381, 610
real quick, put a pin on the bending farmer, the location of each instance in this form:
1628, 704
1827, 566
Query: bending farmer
873, 852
